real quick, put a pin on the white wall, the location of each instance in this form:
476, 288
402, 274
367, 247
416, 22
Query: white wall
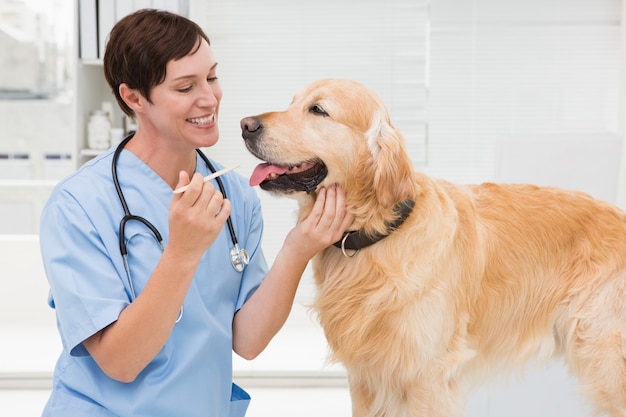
621, 193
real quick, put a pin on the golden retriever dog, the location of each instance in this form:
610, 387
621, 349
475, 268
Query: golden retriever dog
438, 286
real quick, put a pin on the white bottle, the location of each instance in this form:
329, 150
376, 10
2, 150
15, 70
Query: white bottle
98, 130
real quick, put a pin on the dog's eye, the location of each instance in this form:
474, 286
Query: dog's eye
317, 109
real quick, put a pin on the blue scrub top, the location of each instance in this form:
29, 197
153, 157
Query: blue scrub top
192, 375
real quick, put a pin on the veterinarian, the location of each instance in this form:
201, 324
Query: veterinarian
153, 290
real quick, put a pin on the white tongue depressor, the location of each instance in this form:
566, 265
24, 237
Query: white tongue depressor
208, 178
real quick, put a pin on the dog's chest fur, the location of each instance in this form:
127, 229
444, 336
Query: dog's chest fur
387, 300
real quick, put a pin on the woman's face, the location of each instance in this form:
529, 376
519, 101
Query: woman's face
185, 105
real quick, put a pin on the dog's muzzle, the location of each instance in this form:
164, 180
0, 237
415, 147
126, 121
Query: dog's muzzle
281, 177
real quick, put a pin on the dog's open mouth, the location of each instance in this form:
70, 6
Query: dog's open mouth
289, 178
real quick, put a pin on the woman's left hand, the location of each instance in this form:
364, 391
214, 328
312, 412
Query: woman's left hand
325, 224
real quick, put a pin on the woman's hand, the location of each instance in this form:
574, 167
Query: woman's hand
325, 224
196, 216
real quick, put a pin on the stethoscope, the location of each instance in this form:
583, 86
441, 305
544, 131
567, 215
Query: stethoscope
238, 256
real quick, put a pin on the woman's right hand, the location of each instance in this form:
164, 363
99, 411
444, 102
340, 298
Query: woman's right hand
197, 215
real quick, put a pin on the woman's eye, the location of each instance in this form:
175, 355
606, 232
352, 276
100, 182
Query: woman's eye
211, 79
184, 90
317, 109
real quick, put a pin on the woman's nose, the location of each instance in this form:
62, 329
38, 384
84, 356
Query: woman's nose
210, 94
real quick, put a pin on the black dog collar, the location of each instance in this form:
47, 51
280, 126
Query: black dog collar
358, 239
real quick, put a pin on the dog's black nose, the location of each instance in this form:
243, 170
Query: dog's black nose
250, 127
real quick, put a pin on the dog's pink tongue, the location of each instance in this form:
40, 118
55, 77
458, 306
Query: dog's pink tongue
262, 171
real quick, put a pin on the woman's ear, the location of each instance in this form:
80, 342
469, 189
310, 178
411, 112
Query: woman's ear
131, 97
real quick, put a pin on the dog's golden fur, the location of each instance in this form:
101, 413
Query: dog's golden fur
479, 279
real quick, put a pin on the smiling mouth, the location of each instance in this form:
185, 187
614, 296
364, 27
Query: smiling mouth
201, 121
305, 176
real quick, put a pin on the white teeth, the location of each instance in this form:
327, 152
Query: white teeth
202, 120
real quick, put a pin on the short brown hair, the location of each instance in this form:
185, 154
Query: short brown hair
141, 44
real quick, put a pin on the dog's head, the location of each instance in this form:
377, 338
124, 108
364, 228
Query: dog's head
334, 131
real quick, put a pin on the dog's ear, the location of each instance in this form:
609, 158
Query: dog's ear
392, 166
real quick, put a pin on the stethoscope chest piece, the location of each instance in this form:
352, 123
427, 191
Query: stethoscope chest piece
239, 258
